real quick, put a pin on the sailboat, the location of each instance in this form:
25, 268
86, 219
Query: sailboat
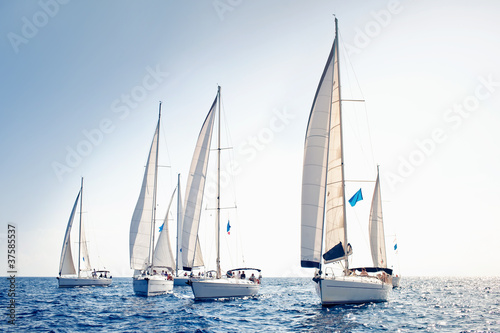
151, 264
211, 286
396, 277
68, 275
323, 216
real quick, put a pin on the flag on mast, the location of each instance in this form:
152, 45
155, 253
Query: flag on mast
358, 196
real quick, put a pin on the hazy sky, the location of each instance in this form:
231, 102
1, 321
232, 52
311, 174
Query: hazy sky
81, 81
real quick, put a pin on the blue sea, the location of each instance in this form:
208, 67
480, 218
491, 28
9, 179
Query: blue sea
284, 305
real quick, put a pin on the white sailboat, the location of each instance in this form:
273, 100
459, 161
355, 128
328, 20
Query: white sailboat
216, 285
85, 276
323, 216
151, 263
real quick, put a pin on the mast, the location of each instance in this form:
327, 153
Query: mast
80, 228
346, 261
178, 224
217, 230
152, 233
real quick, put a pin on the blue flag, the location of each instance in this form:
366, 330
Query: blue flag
228, 227
358, 196
161, 227
395, 247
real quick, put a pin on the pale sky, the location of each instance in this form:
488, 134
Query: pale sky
79, 97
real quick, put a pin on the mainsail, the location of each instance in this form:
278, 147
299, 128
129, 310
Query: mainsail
376, 228
194, 195
322, 178
142, 219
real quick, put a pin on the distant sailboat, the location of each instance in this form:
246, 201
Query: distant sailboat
396, 276
150, 263
377, 235
324, 225
68, 275
217, 286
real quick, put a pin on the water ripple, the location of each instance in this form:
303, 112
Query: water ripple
284, 305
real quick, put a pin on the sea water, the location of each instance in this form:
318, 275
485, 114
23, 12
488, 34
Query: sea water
283, 305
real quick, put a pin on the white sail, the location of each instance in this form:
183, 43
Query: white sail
315, 167
376, 229
194, 194
66, 265
85, 263
140, 226
335, 224
163, 256
198, 256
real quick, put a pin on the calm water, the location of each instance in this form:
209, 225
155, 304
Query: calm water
284, 305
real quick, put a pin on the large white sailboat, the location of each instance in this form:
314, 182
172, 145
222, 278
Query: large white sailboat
85, 275
151, 264
323, 215
211, 286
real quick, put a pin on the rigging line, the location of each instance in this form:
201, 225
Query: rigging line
239, 239
228, 247
356, 128
348, 60
346, 57
229, 146
221, 208
363, 233
164, 138
359, 181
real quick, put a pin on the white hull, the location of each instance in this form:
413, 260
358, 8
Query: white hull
181, 281
66, 282
152, 285
223, 288
352, 290
395, 281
